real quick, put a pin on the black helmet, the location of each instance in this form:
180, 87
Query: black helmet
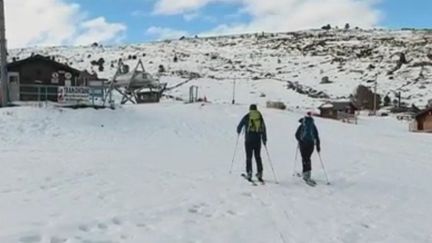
253, 107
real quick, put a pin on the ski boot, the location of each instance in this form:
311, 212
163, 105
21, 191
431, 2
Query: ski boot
307, 178
249, 176
259, 176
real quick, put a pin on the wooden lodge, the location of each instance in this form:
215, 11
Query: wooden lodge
38, 77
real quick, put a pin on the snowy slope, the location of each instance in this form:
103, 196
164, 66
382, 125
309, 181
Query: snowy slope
159, 173
347, 58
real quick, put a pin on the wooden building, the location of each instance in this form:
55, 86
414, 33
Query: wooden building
422, 122
337, 110
148, 97
37, 78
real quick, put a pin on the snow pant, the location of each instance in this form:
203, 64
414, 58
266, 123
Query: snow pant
306, 150
253, 148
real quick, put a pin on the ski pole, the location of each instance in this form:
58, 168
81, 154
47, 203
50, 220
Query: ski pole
295, 160
271, 164
235, 152
322, 165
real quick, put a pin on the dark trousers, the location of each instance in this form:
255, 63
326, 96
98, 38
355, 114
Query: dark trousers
253, 148
306, 150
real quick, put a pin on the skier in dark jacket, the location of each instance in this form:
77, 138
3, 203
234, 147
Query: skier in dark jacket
307, 137
255, 132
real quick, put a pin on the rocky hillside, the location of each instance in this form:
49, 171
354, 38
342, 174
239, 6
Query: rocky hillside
318, 64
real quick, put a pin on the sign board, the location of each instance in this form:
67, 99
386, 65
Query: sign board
75, 95
95, 83
68, 76
55, 78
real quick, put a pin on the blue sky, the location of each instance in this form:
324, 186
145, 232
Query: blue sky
80, 22
407, 13
139, 15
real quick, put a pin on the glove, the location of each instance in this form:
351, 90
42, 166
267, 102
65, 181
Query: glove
318, 148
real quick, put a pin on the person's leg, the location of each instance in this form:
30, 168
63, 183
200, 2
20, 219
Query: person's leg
249, 150
258, 159
306, 151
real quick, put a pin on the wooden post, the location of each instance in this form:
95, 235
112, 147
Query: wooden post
375, 98
234, 88
3, 58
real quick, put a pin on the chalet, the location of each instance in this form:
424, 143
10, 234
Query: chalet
337, 110
38, 77
423, 121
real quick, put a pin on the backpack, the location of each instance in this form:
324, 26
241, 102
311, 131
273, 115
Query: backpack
307, 134
254, 124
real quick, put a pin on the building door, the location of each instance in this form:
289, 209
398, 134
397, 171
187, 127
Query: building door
14, 86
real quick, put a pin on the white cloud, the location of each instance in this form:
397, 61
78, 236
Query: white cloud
139, 13
284, 15
191, 16
54, 22
179, 6
160, 33
99, 29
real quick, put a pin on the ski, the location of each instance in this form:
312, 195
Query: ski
261, 181
310, 183
250, 180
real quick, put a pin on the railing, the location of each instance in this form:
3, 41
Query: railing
38, 92
44, 93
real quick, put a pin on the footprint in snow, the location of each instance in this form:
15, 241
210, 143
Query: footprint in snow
31, 239
248, 194
102, 226
116, 221
194, 209
84, 228
58, 240
145, 226
198, 209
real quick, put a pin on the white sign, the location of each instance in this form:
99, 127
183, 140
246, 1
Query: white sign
95, 83
55, 78
73, 95
68, 75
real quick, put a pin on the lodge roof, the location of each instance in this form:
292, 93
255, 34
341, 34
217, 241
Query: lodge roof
44, 59
423, 112
338, 105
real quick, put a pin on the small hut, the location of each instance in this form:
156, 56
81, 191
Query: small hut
337, 110
423, 121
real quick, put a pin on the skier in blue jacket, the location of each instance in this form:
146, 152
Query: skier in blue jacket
255, 132
307, 137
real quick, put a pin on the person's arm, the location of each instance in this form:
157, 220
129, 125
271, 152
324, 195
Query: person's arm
297, 134
317, 139
242, 124
264, 132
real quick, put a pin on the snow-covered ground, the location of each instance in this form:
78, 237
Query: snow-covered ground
159, 173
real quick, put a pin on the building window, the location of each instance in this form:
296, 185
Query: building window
13, 79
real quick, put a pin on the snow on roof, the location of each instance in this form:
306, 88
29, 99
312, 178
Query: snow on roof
328, 105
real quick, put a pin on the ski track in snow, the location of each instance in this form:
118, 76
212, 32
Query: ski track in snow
159, 173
